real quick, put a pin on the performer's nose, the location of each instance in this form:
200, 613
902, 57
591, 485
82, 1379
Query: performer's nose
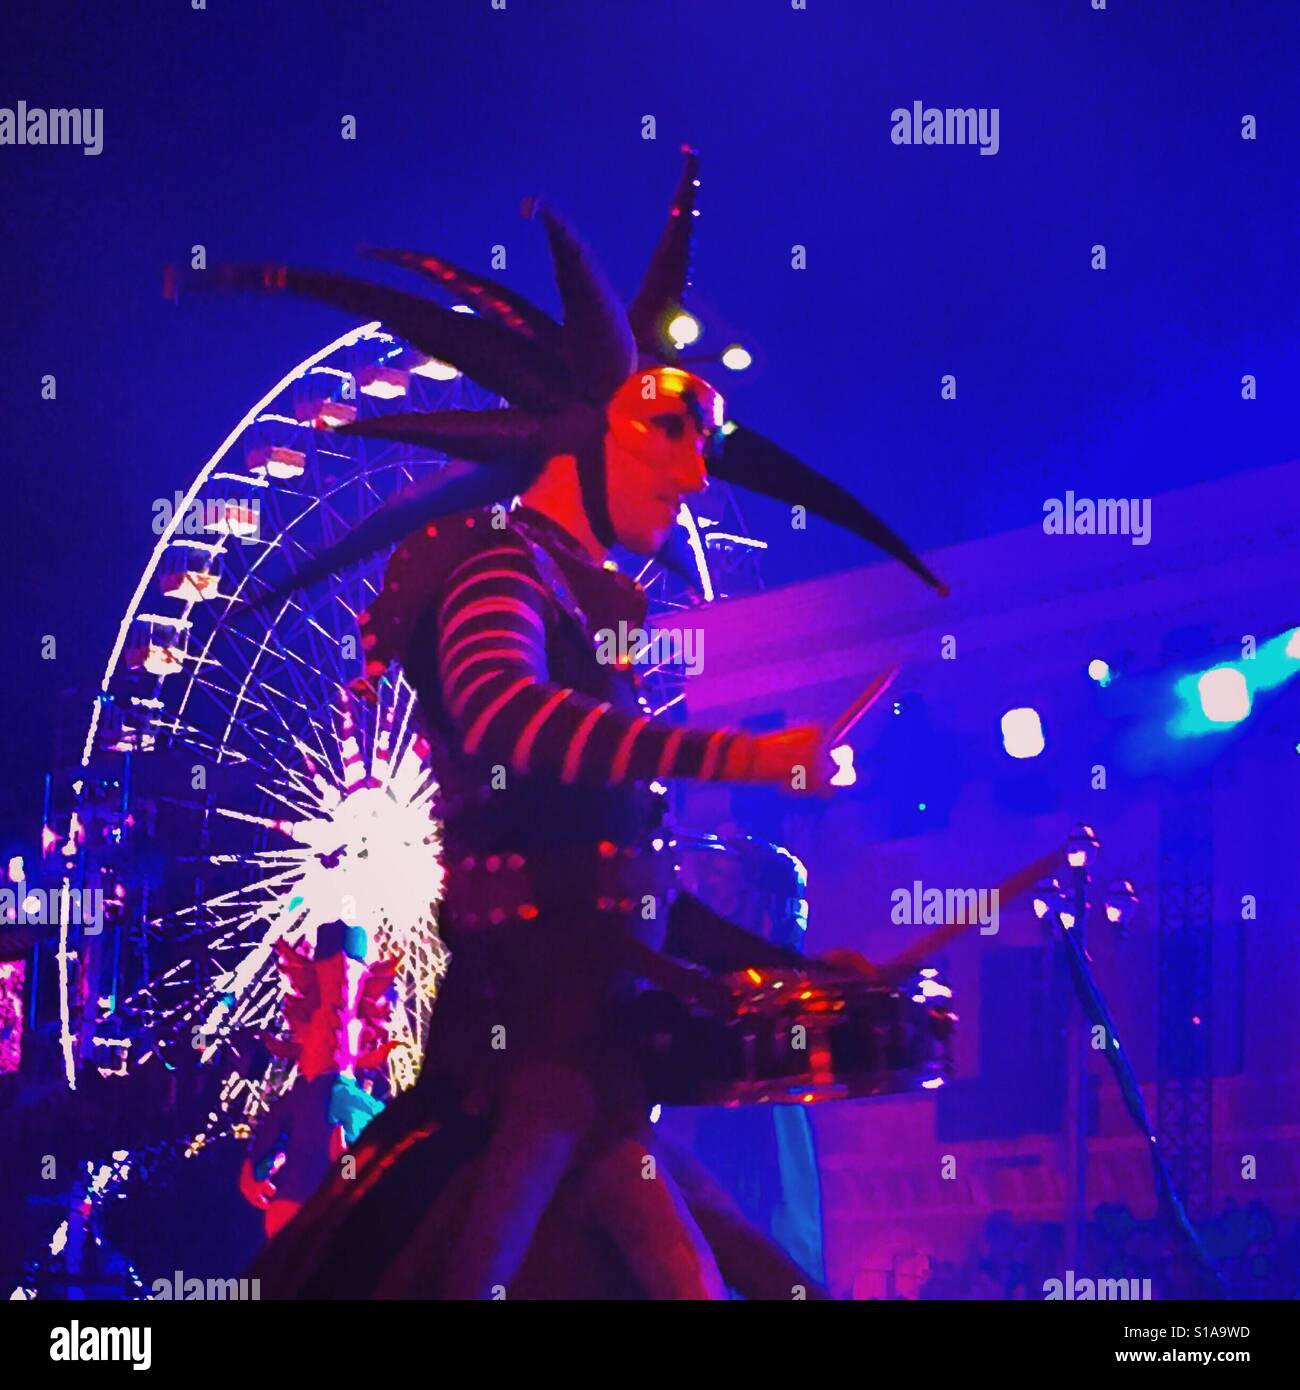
693, 475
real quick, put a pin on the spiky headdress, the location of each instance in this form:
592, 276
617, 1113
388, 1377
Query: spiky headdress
557, 377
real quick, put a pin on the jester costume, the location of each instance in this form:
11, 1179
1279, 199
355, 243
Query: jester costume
547, 762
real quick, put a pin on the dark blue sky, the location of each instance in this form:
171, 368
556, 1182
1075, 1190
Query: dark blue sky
222, 127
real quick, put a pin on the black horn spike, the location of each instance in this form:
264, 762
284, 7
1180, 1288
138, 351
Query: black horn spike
508, 363
663, 286
752, 461
457, 488
486, 296
597, 340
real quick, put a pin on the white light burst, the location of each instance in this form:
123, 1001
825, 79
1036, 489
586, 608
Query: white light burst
359, 843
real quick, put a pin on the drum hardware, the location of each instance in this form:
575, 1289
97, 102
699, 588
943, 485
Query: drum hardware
792, 1037
814, 1033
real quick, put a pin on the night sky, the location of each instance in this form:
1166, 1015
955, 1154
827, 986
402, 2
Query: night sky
222, 127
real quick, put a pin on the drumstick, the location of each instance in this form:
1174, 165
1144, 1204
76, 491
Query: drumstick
940, 937
876, 687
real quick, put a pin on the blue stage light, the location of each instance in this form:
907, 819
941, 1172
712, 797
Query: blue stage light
1224, 695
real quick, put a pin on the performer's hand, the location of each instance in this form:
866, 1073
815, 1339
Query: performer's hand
796, 759
691, 983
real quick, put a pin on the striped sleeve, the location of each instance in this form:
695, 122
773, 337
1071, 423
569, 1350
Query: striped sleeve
496, 688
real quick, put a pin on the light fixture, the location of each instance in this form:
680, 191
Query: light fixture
1046, 894
1022, 733
684, 329
1082, 846
845, 774
1121, 903
1224, 694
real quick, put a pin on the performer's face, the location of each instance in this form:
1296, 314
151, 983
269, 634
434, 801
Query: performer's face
662, 424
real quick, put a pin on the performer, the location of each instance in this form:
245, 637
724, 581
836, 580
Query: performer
557, 893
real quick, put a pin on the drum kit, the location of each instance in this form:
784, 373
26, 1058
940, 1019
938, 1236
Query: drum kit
792, 1038
805, 1033
793, 1035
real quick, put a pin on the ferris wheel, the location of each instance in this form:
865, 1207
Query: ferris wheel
230, 736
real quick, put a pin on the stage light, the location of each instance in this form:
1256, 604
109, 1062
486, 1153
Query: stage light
1081, 849
1044, 895
1218, 699
1022, 733
1224, 695
737, 358
684, 329
842, 757
1100, 671
1121, 903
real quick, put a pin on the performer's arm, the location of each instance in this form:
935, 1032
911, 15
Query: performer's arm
496, 687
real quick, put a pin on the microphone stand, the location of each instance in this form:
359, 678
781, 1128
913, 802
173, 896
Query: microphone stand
1095, 1011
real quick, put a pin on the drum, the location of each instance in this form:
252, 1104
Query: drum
755, 885
795, 1037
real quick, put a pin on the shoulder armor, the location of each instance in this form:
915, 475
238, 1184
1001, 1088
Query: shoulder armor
416, 574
